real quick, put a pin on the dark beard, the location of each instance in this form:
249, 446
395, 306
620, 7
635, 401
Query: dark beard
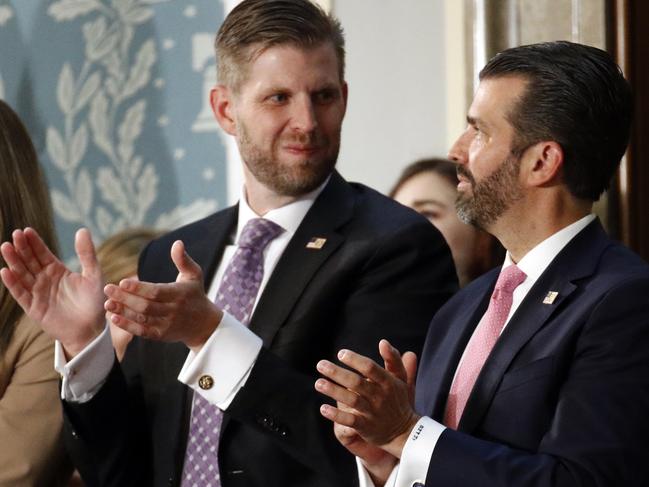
491, 197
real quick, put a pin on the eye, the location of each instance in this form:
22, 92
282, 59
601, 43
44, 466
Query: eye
323, 97
430, 215
278, 98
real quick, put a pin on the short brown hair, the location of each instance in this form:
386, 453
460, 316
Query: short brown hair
24, 202
256, 25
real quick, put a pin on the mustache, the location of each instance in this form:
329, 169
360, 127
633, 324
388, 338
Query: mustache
464, 172
304, 138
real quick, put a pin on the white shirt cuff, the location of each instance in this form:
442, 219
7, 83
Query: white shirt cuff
364, 479
83, 376
417, 452
225, 361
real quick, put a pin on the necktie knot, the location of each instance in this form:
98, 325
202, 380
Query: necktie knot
509, 279
257, 233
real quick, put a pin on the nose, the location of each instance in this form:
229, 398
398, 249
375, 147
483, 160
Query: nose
458, 152
304, 117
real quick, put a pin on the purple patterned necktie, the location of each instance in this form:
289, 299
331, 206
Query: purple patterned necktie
236, 295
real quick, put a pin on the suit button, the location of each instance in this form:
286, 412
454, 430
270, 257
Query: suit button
205, 382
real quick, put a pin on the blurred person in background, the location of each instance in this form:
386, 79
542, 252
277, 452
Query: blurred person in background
429, 186
118, 256
31, 451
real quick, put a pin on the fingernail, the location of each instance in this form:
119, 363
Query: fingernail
341, 354
323, 366
320, 384
325, 409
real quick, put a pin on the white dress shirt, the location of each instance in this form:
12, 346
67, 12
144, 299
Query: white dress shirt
420, 446
229, 353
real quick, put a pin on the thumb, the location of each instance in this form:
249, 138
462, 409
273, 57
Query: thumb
410, 364
85, 250
188, 270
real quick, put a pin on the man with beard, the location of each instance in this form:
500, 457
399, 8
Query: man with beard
538, 372
330, 265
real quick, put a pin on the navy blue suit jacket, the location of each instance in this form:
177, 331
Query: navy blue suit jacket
563, 399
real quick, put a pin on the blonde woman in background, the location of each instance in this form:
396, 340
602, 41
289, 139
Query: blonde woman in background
31, 451
118, 257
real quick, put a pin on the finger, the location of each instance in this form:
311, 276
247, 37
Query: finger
344, 434
39, 248
24, 250
22, 296
364, 365
15, 263
342, 395
392, 360
153, 291
86, 251
345, 378
344, 418
135, 302
188, 270
118, 309
134, 328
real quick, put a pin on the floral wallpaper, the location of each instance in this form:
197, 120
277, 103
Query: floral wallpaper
115, 95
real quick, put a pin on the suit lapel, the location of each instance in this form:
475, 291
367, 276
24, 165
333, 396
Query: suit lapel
207, 247
298, 263
437, 373
576, 261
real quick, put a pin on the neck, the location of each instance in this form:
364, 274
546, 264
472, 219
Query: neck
262, 199
530, 222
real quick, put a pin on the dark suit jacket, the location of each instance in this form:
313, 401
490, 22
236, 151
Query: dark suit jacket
563, 398
383, 272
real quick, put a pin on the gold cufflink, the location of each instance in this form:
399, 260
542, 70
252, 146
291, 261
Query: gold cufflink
316, 243
205, 382
550, 297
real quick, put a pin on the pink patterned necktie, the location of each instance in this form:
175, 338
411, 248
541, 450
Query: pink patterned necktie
236, 295
482, 341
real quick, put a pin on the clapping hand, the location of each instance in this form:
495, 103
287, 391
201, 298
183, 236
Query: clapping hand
68, 305
374, 404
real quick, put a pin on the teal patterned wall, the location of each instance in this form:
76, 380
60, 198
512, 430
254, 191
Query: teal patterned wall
114, 93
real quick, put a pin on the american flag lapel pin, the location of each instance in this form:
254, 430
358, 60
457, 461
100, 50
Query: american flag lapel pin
316, 243
550, 297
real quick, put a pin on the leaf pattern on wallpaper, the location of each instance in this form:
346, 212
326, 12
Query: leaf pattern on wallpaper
102, 103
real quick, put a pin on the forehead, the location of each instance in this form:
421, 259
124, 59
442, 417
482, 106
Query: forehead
496, 98
426, 186
289, 65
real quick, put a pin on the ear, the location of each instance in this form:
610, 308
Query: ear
543, 161
221, 99
345, 90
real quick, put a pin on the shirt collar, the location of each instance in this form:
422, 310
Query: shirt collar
534, 263
288, 216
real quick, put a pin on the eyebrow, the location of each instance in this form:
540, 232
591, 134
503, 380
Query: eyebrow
428, 202
474, 121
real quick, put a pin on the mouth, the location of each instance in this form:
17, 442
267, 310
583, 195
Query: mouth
464, 179
302, 149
